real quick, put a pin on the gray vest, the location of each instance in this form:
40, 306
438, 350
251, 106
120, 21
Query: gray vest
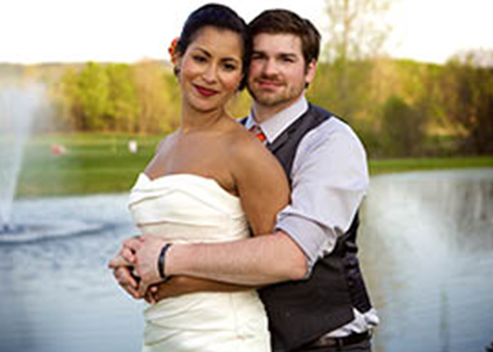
302, 311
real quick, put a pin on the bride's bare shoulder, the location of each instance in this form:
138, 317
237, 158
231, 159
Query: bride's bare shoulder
168, 139
243, 147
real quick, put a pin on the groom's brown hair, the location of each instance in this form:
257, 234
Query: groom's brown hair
280, 21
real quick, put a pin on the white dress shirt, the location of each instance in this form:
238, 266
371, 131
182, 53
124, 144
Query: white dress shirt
329, 181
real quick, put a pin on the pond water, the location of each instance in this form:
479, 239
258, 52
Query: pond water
426, 249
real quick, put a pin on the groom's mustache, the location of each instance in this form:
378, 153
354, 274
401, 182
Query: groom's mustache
269, 79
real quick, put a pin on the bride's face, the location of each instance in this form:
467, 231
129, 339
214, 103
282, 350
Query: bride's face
211, 69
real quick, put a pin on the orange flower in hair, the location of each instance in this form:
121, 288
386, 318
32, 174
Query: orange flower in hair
172, 50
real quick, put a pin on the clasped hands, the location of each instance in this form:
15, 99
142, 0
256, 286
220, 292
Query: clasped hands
135, 266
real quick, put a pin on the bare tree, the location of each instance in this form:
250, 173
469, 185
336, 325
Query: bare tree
357, 28
356, 34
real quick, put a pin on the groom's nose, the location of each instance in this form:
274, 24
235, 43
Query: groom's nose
270, 68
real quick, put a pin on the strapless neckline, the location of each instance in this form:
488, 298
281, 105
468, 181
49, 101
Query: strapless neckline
185, 177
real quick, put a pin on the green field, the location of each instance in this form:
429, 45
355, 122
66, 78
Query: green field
93, 163
99, 163
419, 164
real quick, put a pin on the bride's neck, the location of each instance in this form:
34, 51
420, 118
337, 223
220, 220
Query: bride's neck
193, 120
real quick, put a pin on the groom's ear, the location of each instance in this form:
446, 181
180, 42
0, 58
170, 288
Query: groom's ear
311, 70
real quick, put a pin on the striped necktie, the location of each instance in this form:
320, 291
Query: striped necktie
258, 133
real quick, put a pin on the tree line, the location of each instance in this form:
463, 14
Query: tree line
139, 98
398, 107
407, 108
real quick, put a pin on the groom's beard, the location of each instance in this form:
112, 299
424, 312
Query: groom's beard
271, 90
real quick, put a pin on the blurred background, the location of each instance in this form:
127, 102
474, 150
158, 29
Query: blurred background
87, 91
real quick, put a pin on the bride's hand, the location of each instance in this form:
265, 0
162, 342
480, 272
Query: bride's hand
124, 277
123, 271
126, 254
146, 253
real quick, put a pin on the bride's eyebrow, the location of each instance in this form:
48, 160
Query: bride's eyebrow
203, 51
208, 54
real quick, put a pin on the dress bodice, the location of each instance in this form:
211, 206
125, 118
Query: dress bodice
187, 208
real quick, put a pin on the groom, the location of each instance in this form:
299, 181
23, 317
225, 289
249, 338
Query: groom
308, 268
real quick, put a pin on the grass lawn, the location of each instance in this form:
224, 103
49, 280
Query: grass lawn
381, 166
99, 163
93, 163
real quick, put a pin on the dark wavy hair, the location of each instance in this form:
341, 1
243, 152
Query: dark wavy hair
221, 17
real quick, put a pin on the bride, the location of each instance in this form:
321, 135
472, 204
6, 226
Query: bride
209, 181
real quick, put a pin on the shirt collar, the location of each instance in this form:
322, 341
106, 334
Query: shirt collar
277, 124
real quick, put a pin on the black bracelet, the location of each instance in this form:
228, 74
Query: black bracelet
161, 261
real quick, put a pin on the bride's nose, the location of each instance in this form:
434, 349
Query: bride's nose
210, 73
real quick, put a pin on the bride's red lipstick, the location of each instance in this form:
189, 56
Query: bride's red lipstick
206, 92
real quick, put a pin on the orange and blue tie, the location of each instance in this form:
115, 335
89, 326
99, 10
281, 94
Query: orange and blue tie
258, 133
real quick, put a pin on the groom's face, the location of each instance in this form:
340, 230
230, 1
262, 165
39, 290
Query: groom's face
278, 73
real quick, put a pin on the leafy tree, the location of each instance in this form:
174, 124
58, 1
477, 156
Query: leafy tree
69, 107
123, 104
93, 96
402, 129
158, 97
326, 90
468, 100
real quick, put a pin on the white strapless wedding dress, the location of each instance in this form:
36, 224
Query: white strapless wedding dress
192, 208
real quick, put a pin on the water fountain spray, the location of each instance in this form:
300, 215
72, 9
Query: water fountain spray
18, 106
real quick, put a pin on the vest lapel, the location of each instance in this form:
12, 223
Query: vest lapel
278, 143
283, 138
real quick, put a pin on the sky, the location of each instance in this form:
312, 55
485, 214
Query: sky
36, 31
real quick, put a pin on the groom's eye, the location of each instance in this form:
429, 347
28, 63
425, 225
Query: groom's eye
288, 58
258, 56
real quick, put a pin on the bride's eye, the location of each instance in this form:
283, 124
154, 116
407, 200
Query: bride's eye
229, 67
199, 58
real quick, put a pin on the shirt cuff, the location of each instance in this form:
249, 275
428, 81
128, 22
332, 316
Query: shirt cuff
310, 236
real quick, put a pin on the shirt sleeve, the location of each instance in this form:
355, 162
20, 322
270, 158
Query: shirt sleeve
329, 181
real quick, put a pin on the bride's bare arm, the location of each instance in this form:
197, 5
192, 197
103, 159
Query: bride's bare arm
180, 285
261, 184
